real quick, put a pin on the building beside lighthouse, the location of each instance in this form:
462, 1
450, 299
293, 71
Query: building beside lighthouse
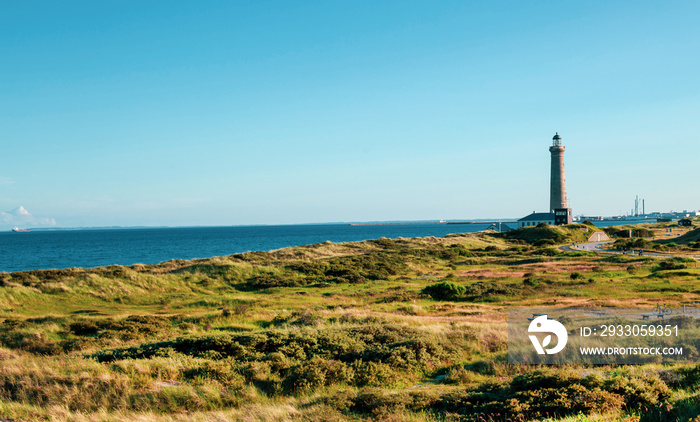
559, 212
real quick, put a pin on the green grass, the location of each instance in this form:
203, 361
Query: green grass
404, 329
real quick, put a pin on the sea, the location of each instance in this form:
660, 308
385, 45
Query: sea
88, 248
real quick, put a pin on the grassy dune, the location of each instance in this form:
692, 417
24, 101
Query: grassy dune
691, 237
392, 330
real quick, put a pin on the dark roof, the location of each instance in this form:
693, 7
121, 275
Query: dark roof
539, 216
502, 226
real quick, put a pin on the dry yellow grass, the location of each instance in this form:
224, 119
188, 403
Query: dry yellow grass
211, 297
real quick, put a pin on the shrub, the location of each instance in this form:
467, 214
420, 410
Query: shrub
622, 244
131, 327
304, 378
461, 376
638, 390
544, 242
542, 393
640, 243
84, 328
533, 234
690, 376
369, 354
445, 291
377, 265
378, 402
546, 252
374, 374
531, 282
455, 252
222, 371
266, 281
482, 290
671, 264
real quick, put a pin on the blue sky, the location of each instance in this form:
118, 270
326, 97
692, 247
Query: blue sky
276, 112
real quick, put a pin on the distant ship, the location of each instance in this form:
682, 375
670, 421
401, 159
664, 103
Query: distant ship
18, 230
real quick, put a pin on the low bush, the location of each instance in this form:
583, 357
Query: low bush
544, 242
548, 251
378, 402
353, 269
689, 376
445, 291
269, 280
673, 264
543, 393
454, 253
531, 282
304, 359
482, 290
84, 328
535, 234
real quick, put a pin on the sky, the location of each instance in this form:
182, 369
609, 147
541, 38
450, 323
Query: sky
179, 113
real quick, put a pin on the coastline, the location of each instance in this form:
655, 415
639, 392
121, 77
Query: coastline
104, 247
237, 333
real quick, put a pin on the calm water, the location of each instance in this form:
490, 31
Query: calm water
93, 248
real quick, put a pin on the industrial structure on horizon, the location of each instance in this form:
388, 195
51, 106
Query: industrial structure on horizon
559, 212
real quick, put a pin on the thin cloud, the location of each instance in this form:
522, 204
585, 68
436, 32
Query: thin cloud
20, 217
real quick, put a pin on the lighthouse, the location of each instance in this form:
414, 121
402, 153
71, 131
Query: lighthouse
557, 186
559, 212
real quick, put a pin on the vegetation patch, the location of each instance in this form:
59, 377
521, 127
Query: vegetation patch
386, 330
479, 291
306, 359
673, 264
557, 392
